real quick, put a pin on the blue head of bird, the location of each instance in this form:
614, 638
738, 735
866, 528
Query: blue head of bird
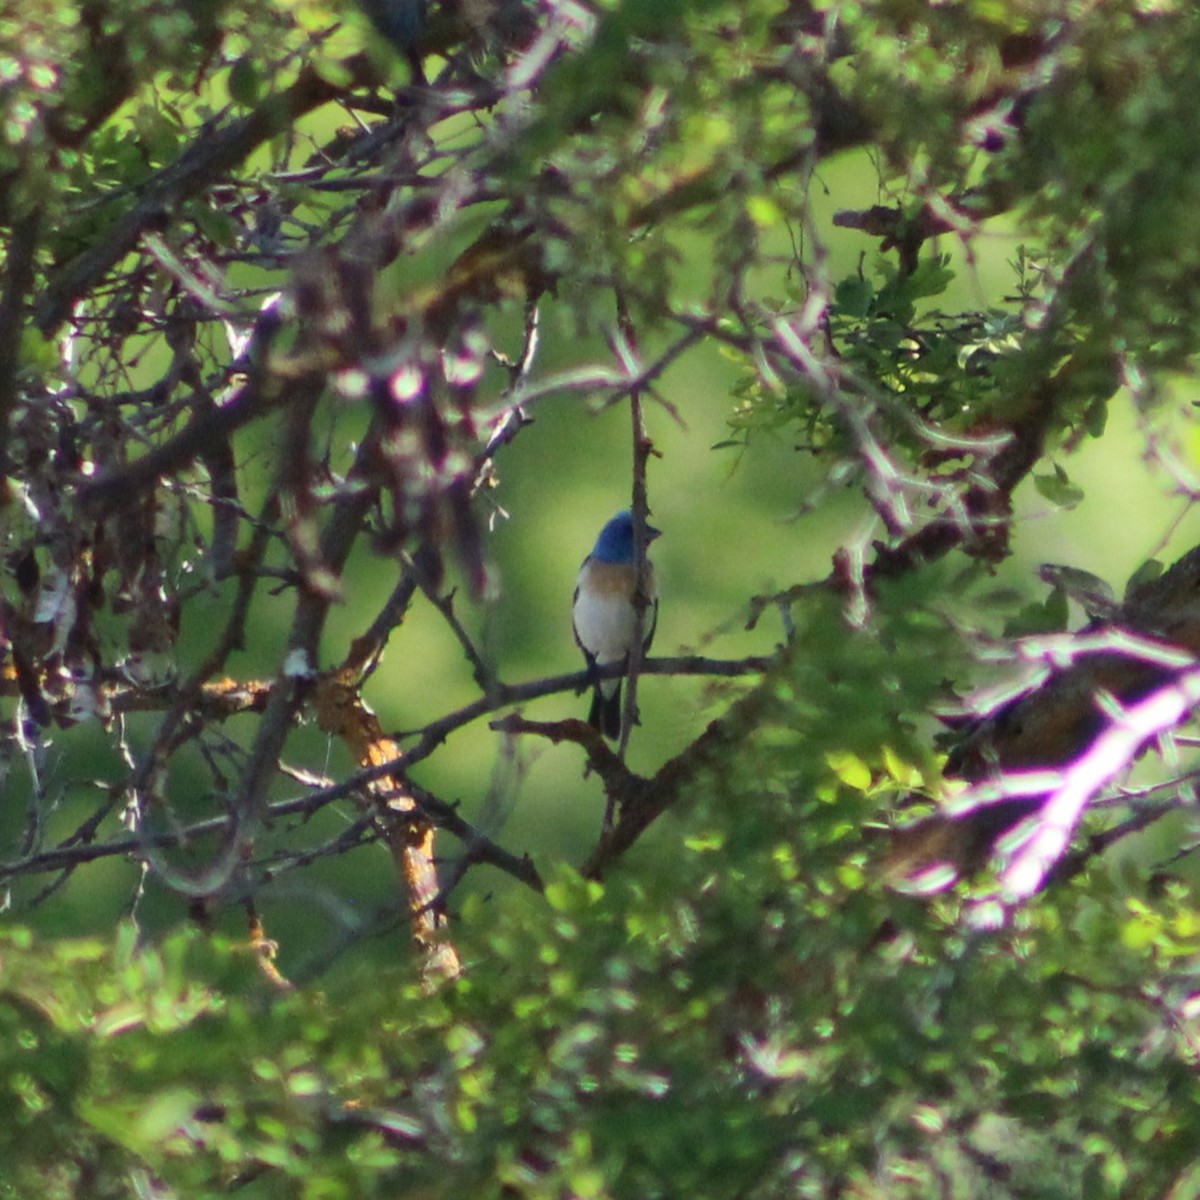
615, 543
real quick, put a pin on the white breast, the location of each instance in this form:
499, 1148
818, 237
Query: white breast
604, 626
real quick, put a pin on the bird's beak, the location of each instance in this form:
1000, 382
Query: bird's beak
652, 533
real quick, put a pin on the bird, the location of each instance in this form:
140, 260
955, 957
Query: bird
604, 613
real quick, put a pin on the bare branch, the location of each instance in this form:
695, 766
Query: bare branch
1027, 859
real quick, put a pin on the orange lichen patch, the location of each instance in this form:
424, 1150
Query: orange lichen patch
409, 835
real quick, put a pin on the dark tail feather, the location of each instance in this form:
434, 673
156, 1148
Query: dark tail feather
605, 714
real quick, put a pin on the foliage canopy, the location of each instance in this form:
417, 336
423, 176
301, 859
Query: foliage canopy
282, 303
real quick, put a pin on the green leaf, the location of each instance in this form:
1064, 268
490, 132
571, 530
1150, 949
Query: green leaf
245, 82
853, 296
852, 771
570, 893
1058, 488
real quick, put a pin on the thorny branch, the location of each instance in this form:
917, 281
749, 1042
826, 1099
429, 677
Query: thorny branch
1040, 756
225, 700
642, 448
